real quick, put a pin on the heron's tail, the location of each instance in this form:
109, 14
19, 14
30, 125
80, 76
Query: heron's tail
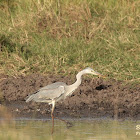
30, 97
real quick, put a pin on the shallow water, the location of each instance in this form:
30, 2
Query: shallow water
84, 129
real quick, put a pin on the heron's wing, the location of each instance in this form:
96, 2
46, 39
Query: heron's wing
53, 86
47, 94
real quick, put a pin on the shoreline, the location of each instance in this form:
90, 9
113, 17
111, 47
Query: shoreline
94, 98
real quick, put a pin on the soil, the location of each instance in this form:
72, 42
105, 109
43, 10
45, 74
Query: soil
94, 98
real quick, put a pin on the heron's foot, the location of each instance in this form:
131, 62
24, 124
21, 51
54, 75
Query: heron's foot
69, 124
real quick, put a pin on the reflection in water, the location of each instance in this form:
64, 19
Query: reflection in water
82, 130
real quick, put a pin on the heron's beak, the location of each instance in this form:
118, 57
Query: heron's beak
99, 74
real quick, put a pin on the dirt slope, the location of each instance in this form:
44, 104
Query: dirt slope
94, 98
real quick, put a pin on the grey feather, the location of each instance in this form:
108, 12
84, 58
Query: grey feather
54, 85
48, 93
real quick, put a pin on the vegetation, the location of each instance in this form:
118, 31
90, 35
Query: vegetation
63, 37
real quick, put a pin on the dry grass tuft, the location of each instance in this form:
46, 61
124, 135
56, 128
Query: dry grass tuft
61, 36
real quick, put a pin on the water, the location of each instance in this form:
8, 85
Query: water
84, 129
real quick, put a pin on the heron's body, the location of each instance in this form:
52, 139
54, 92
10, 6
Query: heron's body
48, 93
57, 91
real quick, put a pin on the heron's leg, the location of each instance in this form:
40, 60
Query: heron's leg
53, 106
68, 124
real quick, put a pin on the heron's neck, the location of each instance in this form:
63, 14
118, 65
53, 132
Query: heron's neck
75, 85
78, 79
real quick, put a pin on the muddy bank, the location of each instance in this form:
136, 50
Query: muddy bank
94, 98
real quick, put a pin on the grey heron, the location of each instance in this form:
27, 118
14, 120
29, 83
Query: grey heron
55, 92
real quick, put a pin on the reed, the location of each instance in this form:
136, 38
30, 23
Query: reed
63, 37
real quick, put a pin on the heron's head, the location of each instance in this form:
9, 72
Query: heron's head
89, 70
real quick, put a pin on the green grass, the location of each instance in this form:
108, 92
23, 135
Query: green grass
63, 37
